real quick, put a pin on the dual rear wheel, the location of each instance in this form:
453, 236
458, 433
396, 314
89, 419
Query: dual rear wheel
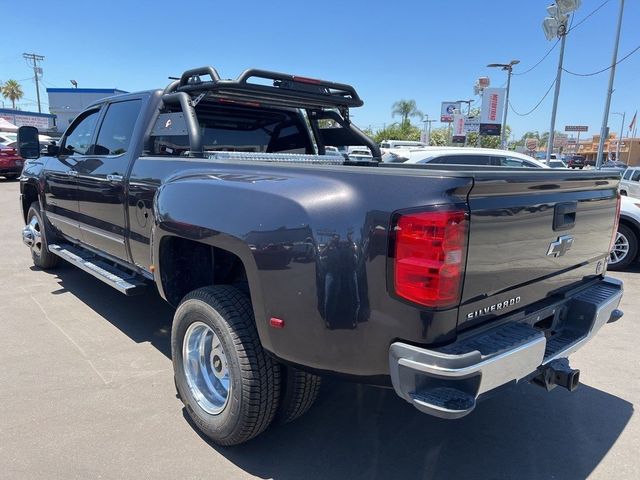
230, 387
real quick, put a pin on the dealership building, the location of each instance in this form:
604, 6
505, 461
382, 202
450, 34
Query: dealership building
67, 103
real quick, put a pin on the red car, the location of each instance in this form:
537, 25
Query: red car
10, 162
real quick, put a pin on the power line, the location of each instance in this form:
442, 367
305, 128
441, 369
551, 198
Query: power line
541, 60
585, 18
537, 104
604, 69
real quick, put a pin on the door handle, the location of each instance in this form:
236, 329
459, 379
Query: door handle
72, 173
114, 178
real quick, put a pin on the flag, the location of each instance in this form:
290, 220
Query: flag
632, 125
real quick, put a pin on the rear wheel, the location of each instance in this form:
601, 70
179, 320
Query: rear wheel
228, 384
299, 392
625, 248
35, 235
11, 177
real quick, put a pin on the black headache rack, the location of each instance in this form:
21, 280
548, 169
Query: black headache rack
276, 90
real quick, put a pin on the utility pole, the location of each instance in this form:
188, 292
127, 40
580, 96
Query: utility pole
35, 58
508, 67
552, 129
607, 104
427, 128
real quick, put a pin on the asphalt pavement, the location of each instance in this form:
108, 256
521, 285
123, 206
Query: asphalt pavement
86, 391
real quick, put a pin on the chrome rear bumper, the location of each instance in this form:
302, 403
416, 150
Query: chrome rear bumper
446, 382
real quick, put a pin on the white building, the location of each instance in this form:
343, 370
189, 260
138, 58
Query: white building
67, 103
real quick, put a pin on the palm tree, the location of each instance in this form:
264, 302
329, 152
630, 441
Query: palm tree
406, 109
13, 91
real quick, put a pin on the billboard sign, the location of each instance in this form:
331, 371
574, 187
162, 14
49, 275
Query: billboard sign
576, 128
531, 143
492, 105
560, 140
458, 135
447, 110
490, 129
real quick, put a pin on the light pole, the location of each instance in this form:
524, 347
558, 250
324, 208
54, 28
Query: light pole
623, 114
427, 124
555, 26
508, 67
607, 104
468, 102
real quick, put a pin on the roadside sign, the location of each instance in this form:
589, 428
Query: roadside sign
471, 125
492, 105
458, 128
560, 140
490, 129
447, 110
531, 143
576, 128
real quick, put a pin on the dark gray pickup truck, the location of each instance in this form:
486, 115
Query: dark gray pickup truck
287, 262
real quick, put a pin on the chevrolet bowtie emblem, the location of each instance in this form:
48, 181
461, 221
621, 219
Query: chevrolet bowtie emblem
559, 247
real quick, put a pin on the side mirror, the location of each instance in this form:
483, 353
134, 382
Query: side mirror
28, 142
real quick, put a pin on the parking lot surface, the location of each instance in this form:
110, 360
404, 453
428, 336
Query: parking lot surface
86, 391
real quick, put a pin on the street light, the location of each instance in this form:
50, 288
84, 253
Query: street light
508, 67
468, 102
556, 26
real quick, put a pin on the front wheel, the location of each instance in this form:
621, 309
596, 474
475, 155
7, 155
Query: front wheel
35, 236
625, 249
228, 384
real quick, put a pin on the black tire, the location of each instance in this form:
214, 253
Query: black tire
42, 257
623, 192
11, 177
632, 253
298, 392
254, 377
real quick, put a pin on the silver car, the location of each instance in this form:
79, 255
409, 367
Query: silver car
630, 183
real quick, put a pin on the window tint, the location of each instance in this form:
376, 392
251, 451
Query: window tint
514, 162
636, 175
117, 128
463, 160
238, 129
78, 141
627, 174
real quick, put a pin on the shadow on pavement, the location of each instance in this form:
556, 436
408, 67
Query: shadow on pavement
356, 431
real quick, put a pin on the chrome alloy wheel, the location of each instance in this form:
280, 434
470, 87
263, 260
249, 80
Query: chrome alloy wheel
32, 235
205, 367
620, 249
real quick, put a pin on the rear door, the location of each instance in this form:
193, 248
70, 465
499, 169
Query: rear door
101, 179
532, 234
634, 184
60, 173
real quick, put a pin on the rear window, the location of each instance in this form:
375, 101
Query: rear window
636, 176
463, 160
239, 129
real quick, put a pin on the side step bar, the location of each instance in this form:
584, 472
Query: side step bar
125, 282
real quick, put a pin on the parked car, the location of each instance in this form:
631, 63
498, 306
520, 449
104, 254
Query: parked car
557, 163
391, 144
625, 248
575, 161
462, 156
7, 138
445, 283
10, 162
630, 183
614, 164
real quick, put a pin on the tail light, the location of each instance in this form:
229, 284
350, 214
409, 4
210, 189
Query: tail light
429, 256
616, 221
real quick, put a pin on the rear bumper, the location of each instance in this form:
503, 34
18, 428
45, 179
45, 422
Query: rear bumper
446, 382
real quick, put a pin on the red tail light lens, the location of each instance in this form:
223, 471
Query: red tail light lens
616, 221
430, 253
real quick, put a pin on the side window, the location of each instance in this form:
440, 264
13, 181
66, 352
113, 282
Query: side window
514, 162
627, 174
636, 175
463, 160
78, 139
117, 128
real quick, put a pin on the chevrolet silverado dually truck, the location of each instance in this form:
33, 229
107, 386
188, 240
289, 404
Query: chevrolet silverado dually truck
287, 261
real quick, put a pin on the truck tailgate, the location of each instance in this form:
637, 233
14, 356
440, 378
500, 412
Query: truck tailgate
532, 236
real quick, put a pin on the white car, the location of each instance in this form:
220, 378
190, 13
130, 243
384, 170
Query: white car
625, 248
463, 156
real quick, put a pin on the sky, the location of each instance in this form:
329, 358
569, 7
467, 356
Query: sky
427, 50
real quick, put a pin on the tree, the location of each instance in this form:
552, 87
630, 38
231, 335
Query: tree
13, 91
396, 131
406, 109
439, 137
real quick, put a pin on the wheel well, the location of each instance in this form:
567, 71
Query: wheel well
633, 226
29, 195
186, 265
